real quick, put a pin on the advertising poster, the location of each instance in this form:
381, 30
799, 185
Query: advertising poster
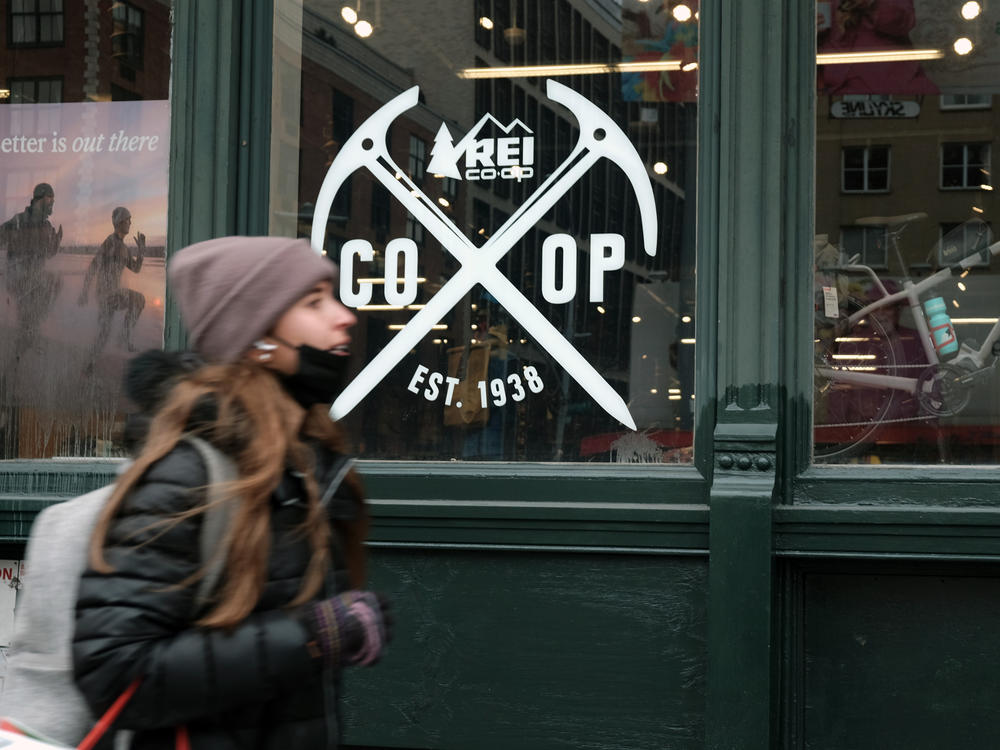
658, 32
82, 245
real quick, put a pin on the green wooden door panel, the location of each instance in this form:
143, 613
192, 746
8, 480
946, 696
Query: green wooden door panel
901, 660
513, 650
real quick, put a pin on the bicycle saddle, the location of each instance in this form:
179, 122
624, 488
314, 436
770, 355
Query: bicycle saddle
889, 221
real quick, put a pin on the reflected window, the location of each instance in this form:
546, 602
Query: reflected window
965, 165
869, 243
36, 90
966, 101
35, 22
414, 229
962, 235
381, 212
418, 155
127, 37
483, 23
865, 169
341, 127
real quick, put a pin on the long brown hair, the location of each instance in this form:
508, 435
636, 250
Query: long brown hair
259, 426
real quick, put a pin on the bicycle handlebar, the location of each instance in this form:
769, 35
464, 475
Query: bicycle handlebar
990, 251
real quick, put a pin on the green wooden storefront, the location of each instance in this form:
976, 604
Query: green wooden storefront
748, 601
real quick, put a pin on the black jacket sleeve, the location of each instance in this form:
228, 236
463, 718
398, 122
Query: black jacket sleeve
137, 622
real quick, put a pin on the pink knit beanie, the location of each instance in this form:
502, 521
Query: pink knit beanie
232, 290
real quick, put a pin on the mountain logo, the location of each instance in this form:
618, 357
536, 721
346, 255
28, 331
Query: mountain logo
510, 156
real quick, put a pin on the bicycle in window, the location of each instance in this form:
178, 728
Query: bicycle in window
871, 375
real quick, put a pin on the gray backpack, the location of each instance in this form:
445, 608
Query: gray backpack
40, 694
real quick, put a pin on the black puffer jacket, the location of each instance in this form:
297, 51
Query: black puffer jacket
254, 687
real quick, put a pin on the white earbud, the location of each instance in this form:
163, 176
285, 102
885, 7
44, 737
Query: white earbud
265, 349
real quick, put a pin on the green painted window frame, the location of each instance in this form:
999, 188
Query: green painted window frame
857, 511
219, 185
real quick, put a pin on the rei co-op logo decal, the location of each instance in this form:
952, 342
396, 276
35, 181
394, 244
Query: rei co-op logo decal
510, 157
600, 137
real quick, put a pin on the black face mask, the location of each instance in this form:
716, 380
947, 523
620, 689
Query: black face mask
319, 378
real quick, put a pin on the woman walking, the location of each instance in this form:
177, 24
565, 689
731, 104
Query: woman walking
258, 665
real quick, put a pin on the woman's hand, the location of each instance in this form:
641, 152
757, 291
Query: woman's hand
351, 628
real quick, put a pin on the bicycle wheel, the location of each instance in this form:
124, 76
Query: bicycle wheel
847, 416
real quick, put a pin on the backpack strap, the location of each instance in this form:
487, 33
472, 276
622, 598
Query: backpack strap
218, 515
335, 477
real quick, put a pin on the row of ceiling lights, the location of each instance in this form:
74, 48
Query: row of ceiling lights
362, 27
681, 12
515, 35
970, 11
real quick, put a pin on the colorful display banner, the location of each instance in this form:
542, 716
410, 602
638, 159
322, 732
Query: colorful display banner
660, 33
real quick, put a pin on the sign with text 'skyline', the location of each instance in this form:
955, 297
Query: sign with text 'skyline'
509, 156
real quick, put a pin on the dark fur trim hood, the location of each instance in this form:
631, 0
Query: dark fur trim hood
149, 378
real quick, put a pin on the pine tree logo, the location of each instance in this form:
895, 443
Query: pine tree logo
444, 159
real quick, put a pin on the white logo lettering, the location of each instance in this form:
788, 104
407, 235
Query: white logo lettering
408, 249
599, 138
566, 247
362, 250
601, 263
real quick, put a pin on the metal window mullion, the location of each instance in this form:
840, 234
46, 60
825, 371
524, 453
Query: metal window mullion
864, 169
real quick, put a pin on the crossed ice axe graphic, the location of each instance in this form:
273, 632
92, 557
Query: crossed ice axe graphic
600, 137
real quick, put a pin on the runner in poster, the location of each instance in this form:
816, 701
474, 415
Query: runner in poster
114, 257
30, 241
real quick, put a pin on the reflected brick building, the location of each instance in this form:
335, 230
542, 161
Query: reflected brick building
85, 50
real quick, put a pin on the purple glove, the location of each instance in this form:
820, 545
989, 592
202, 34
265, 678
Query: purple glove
350, 628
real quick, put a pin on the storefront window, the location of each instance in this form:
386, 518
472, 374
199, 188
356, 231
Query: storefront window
509, 188
906, 284
84, 144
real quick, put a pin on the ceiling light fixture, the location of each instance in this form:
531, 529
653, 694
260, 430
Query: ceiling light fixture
526, 71
962, 46
513, 34
651, 66
846, 58
971, 10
